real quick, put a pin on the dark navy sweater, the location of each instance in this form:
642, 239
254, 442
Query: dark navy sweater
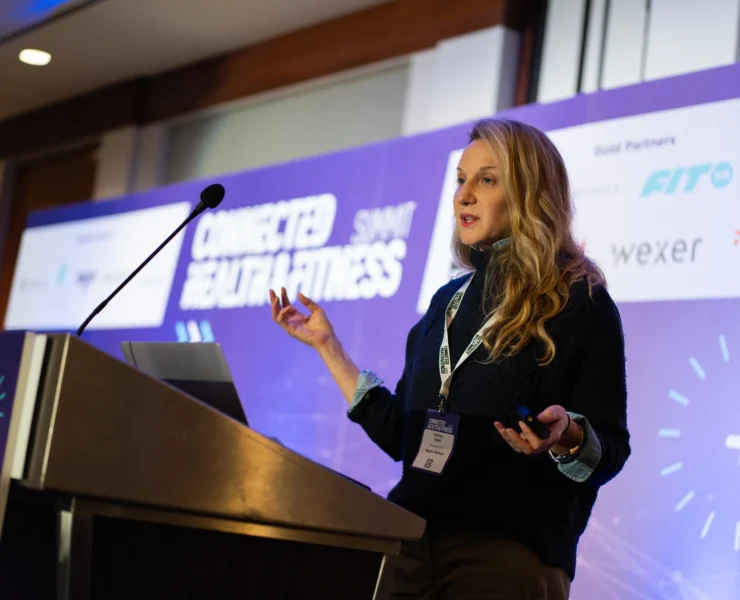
486, 484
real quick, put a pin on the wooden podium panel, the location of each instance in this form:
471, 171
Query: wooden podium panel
149, 484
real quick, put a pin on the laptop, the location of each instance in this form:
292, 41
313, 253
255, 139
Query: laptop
198, 369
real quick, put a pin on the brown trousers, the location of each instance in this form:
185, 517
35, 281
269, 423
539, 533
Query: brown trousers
451, 563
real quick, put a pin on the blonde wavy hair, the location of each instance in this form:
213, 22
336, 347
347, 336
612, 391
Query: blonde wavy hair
529, 282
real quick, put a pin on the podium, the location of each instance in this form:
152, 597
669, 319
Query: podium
121, 486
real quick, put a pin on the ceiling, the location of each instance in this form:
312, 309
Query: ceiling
95, 43
17, 16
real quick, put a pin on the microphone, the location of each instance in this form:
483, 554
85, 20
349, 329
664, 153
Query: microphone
210, 197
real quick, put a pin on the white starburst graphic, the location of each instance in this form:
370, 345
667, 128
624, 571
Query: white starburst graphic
732, 442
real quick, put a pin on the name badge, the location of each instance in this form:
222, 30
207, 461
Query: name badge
437, 442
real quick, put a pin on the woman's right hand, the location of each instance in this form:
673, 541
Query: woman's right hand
313, 329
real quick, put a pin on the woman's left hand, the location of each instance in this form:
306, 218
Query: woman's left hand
527, 441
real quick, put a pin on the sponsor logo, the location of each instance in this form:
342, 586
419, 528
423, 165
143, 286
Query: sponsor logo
62, 273
592, 191
657, 253
240, 254
120, 275
686, 179
94, 237
85, 279
32, 284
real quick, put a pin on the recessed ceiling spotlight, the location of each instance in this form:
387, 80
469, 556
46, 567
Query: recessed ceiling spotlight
38, 58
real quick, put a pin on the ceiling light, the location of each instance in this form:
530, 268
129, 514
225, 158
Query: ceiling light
37, 58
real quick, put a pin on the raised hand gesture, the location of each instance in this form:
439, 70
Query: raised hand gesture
313, 329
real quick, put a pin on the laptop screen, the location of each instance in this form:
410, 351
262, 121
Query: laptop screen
198, 369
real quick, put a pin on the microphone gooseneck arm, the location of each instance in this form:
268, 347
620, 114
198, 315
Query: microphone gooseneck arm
209, 198
125, 282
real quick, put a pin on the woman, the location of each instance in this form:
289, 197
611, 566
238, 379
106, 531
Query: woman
505, 507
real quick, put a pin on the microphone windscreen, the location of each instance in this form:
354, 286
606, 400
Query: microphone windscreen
212, 195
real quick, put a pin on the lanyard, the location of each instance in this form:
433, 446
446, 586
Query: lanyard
445, 367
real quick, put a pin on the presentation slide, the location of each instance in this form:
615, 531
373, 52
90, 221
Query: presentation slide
366, 233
